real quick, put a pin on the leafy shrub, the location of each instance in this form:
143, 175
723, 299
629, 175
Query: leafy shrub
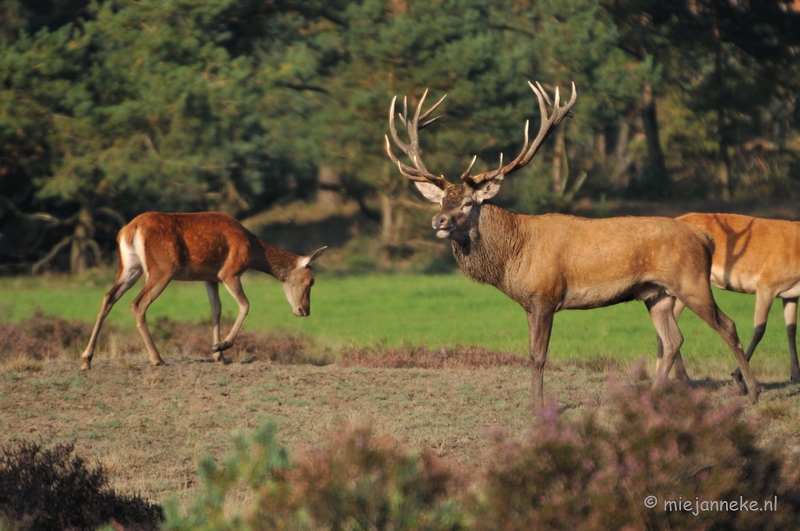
52, 489
585, 474
423, 357
596, 473
359, 480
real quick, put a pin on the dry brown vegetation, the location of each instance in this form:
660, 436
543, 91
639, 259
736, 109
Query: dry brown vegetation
147, 426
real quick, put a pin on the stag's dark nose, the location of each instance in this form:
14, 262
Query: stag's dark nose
439, 222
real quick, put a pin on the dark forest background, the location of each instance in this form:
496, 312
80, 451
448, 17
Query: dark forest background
112, 108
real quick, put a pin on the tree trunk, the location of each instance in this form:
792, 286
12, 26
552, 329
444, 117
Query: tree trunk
723, 163
387, 227
559, 180
657, 183
84, 230
329, 194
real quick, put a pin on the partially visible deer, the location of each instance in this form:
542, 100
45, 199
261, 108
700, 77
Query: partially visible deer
557, 262
756, 256
206, 246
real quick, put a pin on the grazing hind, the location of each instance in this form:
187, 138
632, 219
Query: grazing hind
206, 246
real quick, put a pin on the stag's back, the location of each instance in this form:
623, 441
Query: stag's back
576, 262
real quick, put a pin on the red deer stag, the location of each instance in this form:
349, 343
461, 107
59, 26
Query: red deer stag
557, 262
760, 256
206, 246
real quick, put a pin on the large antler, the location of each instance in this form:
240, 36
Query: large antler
419, 172
547, 126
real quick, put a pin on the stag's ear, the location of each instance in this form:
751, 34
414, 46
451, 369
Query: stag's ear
307, 259
488, 189
432, 193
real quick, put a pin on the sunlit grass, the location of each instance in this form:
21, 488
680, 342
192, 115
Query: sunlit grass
403, 310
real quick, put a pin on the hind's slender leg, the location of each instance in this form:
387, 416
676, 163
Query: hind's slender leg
152, 289
126, 277
212, 288
234, 285
790, 317
763, 303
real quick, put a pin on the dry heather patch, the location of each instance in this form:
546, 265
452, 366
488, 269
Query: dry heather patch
43, 337
424, 357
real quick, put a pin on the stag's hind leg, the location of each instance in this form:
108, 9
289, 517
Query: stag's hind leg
702, 303
680, 369
127, 275
670, 338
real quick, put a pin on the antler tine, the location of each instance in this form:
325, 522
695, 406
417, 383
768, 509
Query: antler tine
429, 111
548, 124
465, 175
543, 92
419, 172
393, 129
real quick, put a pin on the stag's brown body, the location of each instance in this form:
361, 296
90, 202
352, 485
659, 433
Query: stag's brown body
556, 262
565, 262
204, 246
756, 256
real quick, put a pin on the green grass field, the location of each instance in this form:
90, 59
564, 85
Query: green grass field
402, 309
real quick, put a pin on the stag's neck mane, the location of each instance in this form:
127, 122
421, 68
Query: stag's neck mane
491, 244
271, 260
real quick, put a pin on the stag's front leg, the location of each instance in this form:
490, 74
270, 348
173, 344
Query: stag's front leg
234, 285
670, 338
540, 325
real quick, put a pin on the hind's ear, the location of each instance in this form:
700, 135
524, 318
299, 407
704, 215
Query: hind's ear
306, 260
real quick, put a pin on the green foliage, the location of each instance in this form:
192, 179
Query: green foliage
108, 109
47, 489
359, 481
595, 474
587, 473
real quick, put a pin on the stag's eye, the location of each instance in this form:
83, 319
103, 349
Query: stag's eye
311, 283
467, 204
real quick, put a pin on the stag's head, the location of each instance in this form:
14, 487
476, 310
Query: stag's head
299, 282
461, 203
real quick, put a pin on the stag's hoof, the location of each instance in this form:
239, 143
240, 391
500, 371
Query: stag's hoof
682, 377
86, 365
157, 362
795, 378
219, 347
